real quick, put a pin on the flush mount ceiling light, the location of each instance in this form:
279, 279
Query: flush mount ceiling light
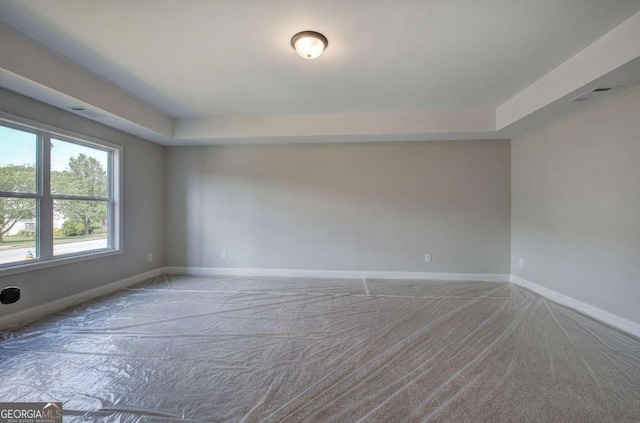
309, 44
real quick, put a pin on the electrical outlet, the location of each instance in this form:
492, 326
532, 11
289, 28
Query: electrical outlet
224, 255
520, 262
150, 256
427, 258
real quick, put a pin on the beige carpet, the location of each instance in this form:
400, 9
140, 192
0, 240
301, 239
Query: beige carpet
275, 349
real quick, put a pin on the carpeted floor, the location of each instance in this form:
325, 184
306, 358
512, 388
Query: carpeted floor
275, 349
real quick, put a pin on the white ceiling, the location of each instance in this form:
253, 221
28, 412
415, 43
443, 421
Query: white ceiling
201, 58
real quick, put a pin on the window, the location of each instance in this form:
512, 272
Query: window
59, 196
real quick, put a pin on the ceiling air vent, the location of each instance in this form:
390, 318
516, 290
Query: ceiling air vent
87, 113
592, 93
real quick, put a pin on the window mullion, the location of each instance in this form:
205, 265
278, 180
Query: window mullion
18, 195
110, 210
78, 197
45, 209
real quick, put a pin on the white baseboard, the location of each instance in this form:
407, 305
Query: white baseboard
604, 316
342, 274
42, 310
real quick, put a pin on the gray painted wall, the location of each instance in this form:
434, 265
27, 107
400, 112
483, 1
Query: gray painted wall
143, 213
341, 207
572, 212
576, 204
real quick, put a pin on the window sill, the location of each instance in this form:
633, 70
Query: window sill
23, 267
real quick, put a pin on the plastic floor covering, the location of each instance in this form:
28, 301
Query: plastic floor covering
281, 349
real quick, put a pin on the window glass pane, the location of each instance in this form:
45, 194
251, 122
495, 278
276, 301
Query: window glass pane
18, 152
79, 226
17, 230
78, 170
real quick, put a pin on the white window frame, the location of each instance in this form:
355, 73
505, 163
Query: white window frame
44, 198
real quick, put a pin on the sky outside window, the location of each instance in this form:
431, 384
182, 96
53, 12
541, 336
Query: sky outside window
62, 151
19, 148
18, 153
